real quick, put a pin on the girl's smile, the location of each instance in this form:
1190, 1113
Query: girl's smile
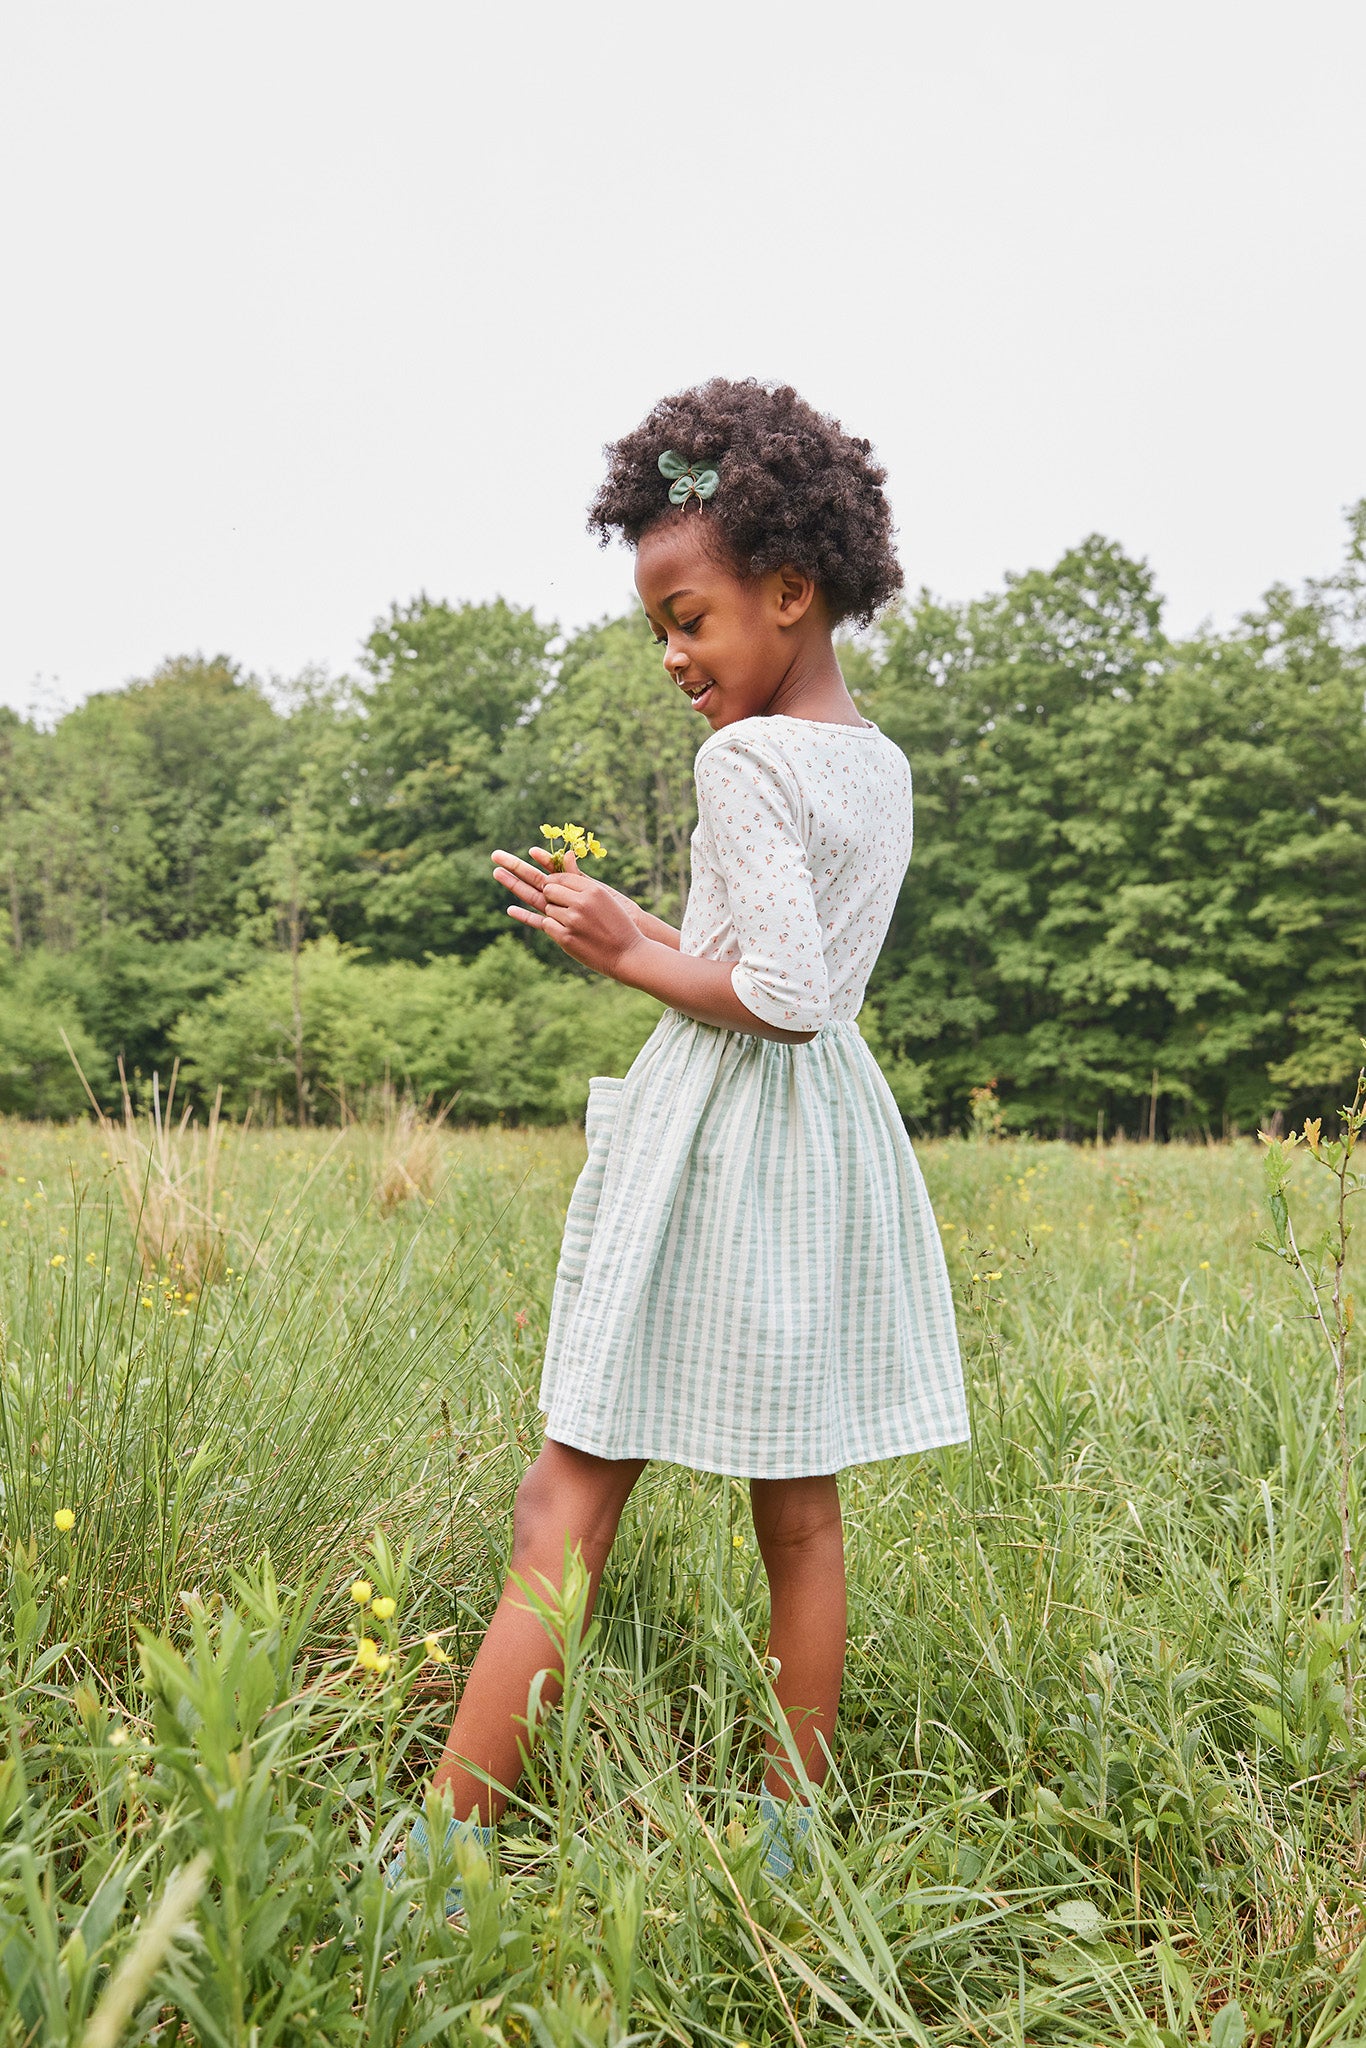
737, 646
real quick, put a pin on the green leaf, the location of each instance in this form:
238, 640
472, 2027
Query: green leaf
1080, 1917
1227, 2029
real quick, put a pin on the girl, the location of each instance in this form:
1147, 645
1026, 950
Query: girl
751, 1281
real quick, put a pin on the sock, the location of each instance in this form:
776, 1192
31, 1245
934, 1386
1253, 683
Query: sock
418, 1838
785, 1821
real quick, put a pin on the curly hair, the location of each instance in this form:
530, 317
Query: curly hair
794, 488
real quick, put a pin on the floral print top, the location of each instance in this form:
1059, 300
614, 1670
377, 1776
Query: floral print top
803, 837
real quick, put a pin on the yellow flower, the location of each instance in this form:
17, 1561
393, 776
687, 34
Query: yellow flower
367, 1653
596, 847
381, 1665
435, 1651
383, 1608
551, 832
64, 1520
58, 1261
737, 1542
361, 1591
1204, 1265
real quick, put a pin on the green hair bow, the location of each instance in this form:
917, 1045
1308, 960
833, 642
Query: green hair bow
687, 480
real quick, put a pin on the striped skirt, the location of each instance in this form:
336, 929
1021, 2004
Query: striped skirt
751, 1280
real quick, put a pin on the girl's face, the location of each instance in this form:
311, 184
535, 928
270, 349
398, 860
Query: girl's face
728, 640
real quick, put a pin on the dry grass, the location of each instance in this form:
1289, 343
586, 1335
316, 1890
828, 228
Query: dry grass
168, 1175
410, 1152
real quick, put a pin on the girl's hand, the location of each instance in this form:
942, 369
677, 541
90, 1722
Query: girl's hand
593, 923
528, 885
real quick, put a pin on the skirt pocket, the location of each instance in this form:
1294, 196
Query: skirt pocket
604, 1096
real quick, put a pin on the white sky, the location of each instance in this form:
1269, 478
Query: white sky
313, 306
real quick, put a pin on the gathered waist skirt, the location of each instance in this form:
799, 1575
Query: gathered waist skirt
751, 1279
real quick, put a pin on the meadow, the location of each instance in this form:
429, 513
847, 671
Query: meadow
1092, 1783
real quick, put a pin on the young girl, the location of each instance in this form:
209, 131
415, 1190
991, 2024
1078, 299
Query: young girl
751, 1281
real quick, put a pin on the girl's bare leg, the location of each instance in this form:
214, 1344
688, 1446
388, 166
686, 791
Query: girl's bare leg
566, 1495
801, 1540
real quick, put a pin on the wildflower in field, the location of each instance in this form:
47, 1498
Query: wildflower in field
519, 1320
435, 1653
737, 1542
383, 1608
1204, 1265
361, 1591
64, 1520
370, 1657
59, 1260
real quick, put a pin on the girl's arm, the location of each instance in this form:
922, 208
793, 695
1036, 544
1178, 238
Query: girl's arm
600, 928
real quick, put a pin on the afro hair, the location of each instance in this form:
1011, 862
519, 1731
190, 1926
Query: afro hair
794, 488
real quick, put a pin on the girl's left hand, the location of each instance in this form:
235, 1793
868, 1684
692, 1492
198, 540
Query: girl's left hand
586, 919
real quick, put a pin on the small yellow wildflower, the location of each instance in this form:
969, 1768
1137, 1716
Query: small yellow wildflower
1204, 1265
59, 1260
118, 1736
575, 839
737, 1542
383, 1608
367, 1653
434, 1651
64, 1520
360, 1592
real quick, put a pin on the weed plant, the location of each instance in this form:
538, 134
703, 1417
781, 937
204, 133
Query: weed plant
1093, 1782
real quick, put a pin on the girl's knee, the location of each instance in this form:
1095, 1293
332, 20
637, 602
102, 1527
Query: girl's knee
566, 1500
538, 1513
793, 1515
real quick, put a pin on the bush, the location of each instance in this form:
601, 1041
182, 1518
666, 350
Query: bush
38, 1002
508, 1037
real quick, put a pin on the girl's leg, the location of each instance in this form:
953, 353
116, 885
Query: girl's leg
801, 1540
566, 1494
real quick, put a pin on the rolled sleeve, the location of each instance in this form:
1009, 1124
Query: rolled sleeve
752, 809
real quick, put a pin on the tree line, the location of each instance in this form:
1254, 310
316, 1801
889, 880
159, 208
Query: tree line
1137, 900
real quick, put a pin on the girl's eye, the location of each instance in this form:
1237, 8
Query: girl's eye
689, 625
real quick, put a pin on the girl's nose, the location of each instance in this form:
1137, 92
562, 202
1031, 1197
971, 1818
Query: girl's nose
676, 659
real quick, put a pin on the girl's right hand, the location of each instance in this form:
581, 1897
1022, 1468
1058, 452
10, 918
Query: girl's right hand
527, 884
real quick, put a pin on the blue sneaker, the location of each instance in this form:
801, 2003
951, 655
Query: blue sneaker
786, 1827
419, 1839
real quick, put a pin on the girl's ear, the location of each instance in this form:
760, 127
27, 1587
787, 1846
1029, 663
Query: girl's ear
795, 593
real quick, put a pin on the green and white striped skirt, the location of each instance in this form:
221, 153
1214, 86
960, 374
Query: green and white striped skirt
751, 1279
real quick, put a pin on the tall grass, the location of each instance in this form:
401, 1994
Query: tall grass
1092, 1780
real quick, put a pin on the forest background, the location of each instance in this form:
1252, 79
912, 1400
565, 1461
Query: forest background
1137, 901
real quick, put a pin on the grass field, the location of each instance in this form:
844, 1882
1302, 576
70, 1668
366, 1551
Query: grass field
1092, 1783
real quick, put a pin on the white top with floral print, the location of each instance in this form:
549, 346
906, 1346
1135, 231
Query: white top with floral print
803, 837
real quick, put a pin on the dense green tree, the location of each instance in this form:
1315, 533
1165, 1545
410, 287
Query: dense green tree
1118, 843
445, 687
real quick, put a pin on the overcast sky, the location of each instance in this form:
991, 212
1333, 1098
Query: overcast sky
311, 307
